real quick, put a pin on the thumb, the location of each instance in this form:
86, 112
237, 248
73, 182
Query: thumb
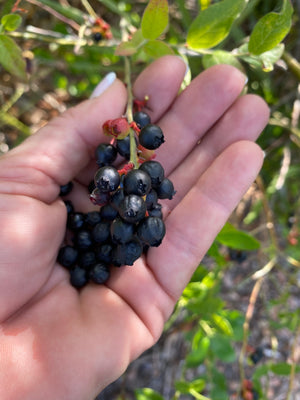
55, 154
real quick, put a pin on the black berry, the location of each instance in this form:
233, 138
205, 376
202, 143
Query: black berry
83, 239
107, 179
101, 231
151, 231
75, 221
166, 189
127, 254
155, 170
151, 137
99, 273
121, 231
141, 118
66, 189
105, 154
78, 277
132, 208
137, 182
67, 256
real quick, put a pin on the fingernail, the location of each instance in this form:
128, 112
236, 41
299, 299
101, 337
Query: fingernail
104, 84
246, 80
187, 67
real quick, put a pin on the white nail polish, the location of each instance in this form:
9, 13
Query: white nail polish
246, 80
104, 84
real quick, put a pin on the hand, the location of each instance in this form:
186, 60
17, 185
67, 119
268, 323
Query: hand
58, 343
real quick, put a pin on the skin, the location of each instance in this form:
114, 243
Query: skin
60, 343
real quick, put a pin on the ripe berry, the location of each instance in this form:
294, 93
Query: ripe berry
99, 273
155, 171
141, 118
123, 147
92, 218
66, 189
67, 256
101, 232
83, 239
132, 208
116, 198
127, 254
108, 212
166, 189
105, 154
75, 221
156, 211
137, 182
151, 137
151, 231
103, 252
107, 179
87, 259
151, 199
78, 277
97, 37
121, 231
69, 206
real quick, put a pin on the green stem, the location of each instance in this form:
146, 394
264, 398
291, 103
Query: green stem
129, 112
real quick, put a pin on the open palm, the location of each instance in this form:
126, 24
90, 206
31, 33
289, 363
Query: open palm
60, 343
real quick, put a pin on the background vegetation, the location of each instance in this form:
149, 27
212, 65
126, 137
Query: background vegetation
237, 324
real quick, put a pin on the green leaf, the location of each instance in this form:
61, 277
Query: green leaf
213, 24
283, 368
11, 22
222, 324
11, 57
271, 29
237, 239
155, 19
147, 394
130, 47
221, 347
157, 48
196, 356
187, 387
221, 57
265, 60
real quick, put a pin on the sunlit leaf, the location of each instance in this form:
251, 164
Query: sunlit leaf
213, 24
11, 22
155, 19
131, 46
147, 394
271, 29
237, 239
157, 48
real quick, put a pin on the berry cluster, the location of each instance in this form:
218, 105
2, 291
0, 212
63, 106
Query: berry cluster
129, 220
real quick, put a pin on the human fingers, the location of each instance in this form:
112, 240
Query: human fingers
193, 224
245, 120
54, 155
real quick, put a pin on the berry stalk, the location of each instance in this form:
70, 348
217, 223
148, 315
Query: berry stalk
129, 112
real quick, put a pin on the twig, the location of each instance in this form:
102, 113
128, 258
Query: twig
56, 14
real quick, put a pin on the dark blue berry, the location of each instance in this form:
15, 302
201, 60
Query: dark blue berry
92, 218
66, 189
108, 212
166, 189
156, 211
87, 259
101, 232
107, 179
78, 277
155, 170
99, 273
123, 147
141, 118
151, 137
105, 154
75, 221
104, 252
67, 256
127, 254
132, 208
83, 239
121, 231
151, 199
116, 198
69, 206
151, 231
99, 198
97, 37
137, 182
